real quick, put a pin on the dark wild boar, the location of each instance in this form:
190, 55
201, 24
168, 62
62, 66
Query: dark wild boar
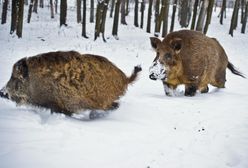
67, 82
189, 58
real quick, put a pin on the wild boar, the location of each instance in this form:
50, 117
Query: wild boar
67, 82
190, 58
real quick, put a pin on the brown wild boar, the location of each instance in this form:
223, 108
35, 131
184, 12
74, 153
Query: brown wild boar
190, 58
67, 82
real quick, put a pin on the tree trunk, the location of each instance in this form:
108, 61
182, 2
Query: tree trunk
242, 3
91, 11
160, 18
156, 14
185, 13
173, 15
35, 7
234, 19
223, 9
52, 9
79, 11
112, 8
30, 10
194, 15
63, 12
4, 12
123, 12
209, 15
237, 14
13, 16
149, 15
26, 2
127, 7
56, 6
116, 18
20, 18
84, 20
201, 17
165, 20
101, 12
136, 13
142, 8
41, 3
244, 18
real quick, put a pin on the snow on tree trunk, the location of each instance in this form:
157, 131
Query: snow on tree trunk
202, 14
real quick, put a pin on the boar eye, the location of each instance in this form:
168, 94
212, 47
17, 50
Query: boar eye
168, 56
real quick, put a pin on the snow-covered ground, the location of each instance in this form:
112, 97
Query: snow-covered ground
148, 130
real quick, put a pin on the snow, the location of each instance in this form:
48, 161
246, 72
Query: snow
148, 130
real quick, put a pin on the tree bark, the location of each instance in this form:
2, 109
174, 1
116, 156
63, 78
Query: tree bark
244, 18
209, 15
20, 18
35, 7
30, 10
52, 9
112, 8
234, 19
136, 13
56, 6
123, 12
63, 12
142, 8
194, 15
165, 18
79, 11
185, 13
91, 11
127, 7
4, 12
84, 20
149, 16
223, 9
201, 17
13, 16
41, 3
242, 3
116, 18
173, 15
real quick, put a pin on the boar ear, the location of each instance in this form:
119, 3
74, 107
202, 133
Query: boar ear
176, 44
22, 67
154, 42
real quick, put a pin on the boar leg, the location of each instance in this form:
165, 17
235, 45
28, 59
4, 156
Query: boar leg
169, 89
203, 89
220, 79
190, 90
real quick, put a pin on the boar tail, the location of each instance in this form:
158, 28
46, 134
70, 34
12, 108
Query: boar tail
134, 75
231, 67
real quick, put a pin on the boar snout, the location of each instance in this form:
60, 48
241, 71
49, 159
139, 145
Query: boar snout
3, 93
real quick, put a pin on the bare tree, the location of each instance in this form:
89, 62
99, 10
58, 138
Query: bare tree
56, 6
223, 9
112, 8
52, 9
165, 18
123, 12
127, 7
4, 11
142, 9
184, 12
136, 13
35, 7
63, 12
209, 15
242, 4
26, 2
173, 15
20, 18
30, 10
13, 16
101, 12
116, 18
192, 27
91, 11
202, 14
234, 19
149, 15
244, 18
41, 3
79, 11
84, 20
157, 20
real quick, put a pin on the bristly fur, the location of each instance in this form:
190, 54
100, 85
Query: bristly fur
134, 75
231, 67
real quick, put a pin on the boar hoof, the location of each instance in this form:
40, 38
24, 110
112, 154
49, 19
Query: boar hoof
205, 90
190, 91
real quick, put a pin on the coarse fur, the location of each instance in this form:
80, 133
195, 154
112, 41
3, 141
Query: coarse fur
192, 59
68, 82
